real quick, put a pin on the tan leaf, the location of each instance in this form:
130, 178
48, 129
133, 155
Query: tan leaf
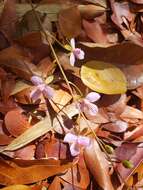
61, 98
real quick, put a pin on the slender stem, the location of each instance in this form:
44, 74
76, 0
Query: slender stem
53, 51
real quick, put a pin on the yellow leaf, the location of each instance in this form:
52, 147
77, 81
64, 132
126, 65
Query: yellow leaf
103, 77
16, 187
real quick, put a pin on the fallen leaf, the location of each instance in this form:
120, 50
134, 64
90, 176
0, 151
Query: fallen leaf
8, 19
103, 77
95, 31
31, 134
18, 61
19, 86
16, 123
97, 165
67, 19
61, 98
17, 187
26, 153
117, 126
79, 174
26, 172
90, 11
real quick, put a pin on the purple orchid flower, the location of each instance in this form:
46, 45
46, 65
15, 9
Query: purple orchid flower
75, 53
87, 105
76, 142
41, 89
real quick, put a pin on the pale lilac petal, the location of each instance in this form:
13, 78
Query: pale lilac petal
75, 149
70, 138
84, 141
35, 94
79, 54
72, 42
48, 92
36, 80
89, 108
93, 97
72, 59
41, 87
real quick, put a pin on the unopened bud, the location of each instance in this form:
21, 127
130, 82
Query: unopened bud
127, 164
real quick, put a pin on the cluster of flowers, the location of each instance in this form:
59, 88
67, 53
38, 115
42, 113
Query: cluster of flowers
85, 105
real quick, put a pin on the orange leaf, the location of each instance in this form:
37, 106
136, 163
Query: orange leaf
26, 172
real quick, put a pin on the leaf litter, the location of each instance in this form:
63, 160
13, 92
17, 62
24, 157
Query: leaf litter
71, 103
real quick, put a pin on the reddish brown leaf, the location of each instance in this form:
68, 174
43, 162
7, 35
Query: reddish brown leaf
16, 123
26, 153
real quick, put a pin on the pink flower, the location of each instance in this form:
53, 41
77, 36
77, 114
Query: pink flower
76, 142
75, 53
87, 105
41, 88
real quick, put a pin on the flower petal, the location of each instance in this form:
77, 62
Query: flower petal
72, 42
72, 59
79, 54
84, 141
89, 108
74, 149
93, 97
35, 94
48, 92
36, 80
70, 138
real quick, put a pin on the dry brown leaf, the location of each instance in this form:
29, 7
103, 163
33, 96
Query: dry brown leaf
8, 19
69, 18
90, 11
26, 172
7, 86
17, 187
80, 175
94, 31
97, 164
18, 61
